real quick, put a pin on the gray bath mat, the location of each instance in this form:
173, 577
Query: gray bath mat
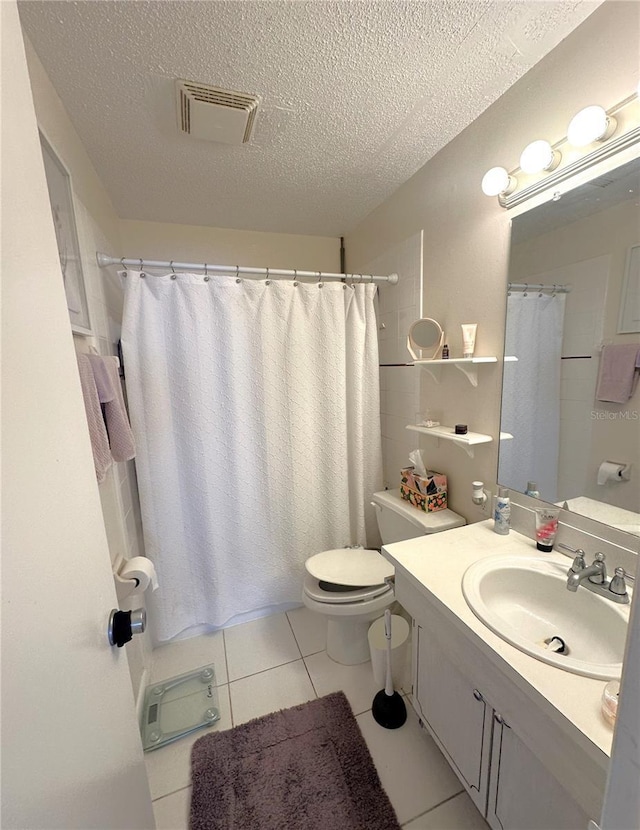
305, 768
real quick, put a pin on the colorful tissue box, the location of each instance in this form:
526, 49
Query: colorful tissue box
428, 493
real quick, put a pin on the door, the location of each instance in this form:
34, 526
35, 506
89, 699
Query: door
523, 795
455, 712
71, 753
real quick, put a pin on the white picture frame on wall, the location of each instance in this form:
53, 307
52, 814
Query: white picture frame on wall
629, 314
64, 221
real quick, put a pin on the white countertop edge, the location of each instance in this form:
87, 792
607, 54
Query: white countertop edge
570, 700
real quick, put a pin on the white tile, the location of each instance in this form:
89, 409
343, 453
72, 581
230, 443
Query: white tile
187, 655
169, 768
172, 811
455, 814
259, 645
413, 771
270, 691
390, 322
355, 681
309, 629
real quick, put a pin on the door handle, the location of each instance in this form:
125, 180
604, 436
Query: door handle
124, 624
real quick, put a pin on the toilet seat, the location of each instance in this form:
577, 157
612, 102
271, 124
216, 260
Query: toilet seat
350, 566
314, 591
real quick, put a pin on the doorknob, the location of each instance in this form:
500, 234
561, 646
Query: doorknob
124, 624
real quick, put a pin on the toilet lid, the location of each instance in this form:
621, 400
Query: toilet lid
350, 566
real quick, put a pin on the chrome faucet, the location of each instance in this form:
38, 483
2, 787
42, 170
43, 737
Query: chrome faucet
594, 577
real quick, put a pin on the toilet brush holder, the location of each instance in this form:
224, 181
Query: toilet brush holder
388, 707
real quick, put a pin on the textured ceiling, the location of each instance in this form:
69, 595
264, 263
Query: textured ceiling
355, 96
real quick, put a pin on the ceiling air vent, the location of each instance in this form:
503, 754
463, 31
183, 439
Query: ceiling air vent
214, 114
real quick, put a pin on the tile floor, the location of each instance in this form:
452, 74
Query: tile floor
280, 661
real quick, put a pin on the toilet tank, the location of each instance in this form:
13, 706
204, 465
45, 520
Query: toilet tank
398, 520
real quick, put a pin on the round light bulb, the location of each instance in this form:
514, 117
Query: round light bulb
537, 156
496, 181
589, 125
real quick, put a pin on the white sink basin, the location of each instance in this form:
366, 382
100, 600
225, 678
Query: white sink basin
524, 600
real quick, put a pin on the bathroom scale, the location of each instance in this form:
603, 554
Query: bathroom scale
178, 706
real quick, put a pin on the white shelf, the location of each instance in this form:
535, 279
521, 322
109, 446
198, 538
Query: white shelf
467, 365
466, 442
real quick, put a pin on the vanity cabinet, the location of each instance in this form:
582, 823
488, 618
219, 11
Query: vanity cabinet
522, 793
455, 712
473, 716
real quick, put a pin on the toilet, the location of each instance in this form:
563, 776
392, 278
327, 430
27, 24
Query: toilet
348, 585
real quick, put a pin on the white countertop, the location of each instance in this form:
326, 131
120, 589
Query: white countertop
437, 563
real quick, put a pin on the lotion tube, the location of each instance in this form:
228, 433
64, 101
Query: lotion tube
468, 339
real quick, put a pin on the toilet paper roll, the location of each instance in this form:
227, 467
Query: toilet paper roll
610, 471
141, 569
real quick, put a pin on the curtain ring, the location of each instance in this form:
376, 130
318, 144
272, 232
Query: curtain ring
206, 273
123, 266
319, 279
267, 281
295, 277
237, 273
173, 271
526, 288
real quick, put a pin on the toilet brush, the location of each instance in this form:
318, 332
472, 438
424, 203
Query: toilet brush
388, 707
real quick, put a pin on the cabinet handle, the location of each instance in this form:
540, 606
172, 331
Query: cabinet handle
477, 695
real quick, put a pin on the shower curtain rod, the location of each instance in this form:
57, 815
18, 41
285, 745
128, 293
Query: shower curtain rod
104, 260
540, 288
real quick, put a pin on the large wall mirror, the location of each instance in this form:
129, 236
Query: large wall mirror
576, 256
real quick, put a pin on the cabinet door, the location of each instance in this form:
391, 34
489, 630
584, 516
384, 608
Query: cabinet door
523, 795
455, 713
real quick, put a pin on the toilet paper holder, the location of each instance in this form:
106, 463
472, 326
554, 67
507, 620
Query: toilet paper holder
141, 575
613, 471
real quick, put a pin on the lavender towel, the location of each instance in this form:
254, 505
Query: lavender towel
95, 421
104, 384
618, 374
123, 447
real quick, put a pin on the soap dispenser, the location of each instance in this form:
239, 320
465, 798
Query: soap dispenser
502, 513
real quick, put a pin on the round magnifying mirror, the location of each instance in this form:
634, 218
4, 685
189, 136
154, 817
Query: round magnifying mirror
426, 335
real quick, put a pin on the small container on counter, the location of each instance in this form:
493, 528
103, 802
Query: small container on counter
610, 701
546, 527
502, 513
460, 429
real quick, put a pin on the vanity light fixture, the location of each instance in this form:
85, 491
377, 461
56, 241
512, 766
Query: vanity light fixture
538, 157
589, 125
497, 181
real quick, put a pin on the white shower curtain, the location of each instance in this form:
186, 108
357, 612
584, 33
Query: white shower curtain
531, 393
255, 409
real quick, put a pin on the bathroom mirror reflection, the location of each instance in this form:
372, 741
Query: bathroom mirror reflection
425, 335
572, 254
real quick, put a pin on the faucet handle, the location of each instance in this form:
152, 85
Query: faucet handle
618, 584
601, 576
579, 563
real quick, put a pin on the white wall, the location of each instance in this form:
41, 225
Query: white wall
98, 229
398, 307
466, 234
224, 246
